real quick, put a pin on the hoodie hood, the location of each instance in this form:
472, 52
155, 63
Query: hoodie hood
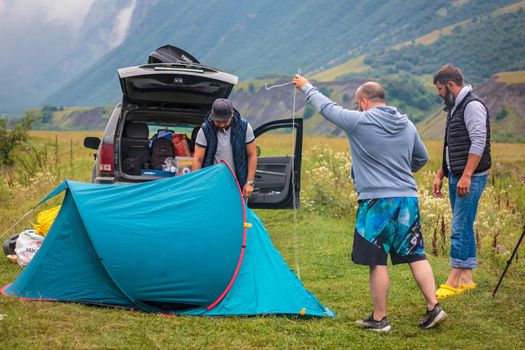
388, 118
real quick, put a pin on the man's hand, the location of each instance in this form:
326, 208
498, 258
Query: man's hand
299, 81
438, 184
436, 187
248, 189
463, 187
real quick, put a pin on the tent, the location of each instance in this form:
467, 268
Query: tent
181, 245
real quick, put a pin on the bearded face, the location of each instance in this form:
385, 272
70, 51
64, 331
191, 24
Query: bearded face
449, 99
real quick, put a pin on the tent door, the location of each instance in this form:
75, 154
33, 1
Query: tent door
279, 157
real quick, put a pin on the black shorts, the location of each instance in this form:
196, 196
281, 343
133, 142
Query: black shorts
366, 253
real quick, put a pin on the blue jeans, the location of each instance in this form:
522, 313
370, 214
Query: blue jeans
462, 241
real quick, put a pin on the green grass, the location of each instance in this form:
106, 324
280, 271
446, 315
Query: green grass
317, 241
323, 246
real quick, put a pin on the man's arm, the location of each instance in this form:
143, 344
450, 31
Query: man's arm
344, 118
198, 157
475, 121
251, 151
419, 154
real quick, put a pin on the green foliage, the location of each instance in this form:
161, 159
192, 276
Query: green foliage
317, 240
487, 46
502, 113
11, 139
240, 49
251, 88
409, 95
308, 112
325, 90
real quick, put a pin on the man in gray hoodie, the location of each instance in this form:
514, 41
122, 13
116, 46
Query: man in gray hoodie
385, 149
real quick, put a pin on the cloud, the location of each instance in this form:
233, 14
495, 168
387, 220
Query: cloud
69, 12
121, 26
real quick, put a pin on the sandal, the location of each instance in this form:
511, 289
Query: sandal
466, 287
446, 291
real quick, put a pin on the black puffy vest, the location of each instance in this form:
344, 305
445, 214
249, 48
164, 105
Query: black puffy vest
458, 141
238, 127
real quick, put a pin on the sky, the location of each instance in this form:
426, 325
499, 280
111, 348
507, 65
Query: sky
64, 11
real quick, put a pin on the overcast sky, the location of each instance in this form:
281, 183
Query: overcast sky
70, 12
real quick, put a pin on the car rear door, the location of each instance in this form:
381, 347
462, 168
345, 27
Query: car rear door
183, 86
278, 175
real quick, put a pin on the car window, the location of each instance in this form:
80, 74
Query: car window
278, 142
184, 129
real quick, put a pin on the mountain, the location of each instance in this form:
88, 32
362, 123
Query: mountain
49, 43
503, 95
252, 39
336, 43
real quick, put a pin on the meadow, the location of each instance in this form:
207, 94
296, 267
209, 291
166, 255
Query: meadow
315, 241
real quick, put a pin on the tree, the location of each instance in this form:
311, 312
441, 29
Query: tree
501, 114
308, 112
11, 139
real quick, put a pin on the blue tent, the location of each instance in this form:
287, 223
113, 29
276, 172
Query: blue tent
183, 245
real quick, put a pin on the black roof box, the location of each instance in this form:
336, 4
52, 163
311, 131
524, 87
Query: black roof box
171, 54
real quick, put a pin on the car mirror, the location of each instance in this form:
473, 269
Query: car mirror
92, 142
258, 150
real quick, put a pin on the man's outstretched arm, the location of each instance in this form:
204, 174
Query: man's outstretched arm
344, 118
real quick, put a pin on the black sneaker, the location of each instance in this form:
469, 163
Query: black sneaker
382, 326
433, 318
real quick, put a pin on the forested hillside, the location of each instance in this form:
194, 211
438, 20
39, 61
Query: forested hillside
487, 45
253, 39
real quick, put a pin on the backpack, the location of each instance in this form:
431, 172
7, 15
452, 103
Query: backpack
161, 149
181, 145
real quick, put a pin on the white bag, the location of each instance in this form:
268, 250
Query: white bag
27, 244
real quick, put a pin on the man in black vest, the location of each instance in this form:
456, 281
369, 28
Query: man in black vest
224, 135
466, 160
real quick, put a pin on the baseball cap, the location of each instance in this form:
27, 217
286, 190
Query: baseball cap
222, 109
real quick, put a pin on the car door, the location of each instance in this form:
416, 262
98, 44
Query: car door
278, 175
176, 85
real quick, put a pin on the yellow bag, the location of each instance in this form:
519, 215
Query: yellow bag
45, 219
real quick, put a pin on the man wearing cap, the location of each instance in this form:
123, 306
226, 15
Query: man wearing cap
224, 135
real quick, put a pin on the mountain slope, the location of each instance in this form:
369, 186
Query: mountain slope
503, 95
252, 39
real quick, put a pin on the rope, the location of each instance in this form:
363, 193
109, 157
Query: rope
22, 218
268, 88
294, 197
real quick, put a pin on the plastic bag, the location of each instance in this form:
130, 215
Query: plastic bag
45, 219
27, 245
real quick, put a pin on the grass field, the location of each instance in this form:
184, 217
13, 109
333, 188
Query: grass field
323, 228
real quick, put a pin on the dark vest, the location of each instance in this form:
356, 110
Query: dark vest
238, 142
458, 141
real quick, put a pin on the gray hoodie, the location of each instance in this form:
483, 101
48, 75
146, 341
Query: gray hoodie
384, 144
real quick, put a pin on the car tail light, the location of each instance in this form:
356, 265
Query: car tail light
105, 162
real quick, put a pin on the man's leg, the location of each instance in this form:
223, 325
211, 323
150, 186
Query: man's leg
454, 277
424, 277
466, 277
379, 285
463, 243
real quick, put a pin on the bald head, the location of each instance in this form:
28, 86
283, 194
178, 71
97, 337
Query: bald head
369, 95
371, 91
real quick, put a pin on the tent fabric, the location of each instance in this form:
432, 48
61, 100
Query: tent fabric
178, 245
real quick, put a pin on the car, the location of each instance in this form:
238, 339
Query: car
173, 93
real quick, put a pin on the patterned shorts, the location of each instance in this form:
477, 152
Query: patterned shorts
388, 226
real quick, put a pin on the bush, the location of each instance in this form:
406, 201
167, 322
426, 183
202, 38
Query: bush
308, 112
501, 114
11, 139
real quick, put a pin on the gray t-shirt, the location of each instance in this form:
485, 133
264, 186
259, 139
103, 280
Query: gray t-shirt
224, 147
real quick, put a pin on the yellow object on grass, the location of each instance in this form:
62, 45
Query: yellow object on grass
444, 291
45, 219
